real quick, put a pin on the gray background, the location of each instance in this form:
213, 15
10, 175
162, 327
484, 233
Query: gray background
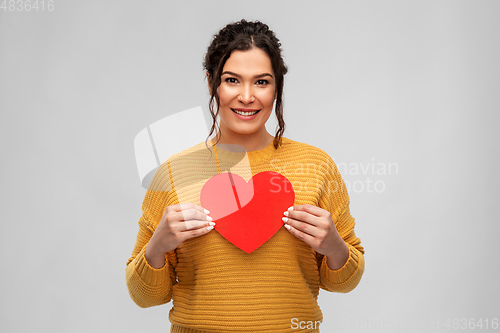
413, 84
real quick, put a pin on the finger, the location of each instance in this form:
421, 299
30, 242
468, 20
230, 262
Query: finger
192, 214
195, 224
305, 227
198, 232
299, 234
302, 215
311, 209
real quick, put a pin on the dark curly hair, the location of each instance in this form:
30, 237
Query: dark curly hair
242, 36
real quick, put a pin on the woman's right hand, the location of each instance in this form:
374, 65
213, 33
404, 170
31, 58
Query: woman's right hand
179, 222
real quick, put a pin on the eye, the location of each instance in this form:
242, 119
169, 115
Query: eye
231, 80
262, 82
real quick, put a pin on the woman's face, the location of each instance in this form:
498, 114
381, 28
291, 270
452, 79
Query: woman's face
247, 87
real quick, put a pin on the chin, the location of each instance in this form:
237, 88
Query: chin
245, 131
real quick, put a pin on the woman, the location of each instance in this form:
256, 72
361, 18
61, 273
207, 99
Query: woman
235, 278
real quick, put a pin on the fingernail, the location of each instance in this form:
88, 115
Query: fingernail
287, 226
209, 218
206, 211
285, 213
285, 219
290, 208
210, 228
211, 223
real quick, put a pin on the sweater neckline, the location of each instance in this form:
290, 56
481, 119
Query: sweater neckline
231, 152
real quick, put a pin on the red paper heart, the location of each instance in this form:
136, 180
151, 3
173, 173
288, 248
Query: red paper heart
247, 214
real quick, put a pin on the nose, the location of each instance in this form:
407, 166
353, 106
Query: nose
246, 94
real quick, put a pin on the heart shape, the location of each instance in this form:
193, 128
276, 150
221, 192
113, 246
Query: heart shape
247, 214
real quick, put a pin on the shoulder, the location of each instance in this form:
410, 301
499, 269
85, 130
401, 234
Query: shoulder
305, 152
189, 162
195, 152
182, 164
314, 161
303, 156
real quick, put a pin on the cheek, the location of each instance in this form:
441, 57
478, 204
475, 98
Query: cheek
267, 98
225, 94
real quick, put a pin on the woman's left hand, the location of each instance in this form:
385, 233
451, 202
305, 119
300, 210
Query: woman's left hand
315, 226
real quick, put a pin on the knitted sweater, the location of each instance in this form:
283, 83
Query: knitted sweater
217, 287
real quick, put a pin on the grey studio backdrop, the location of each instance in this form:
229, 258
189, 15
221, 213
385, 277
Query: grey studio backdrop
404, 95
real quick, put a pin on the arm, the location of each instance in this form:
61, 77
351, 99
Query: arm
149, 286
335, 199
347, 277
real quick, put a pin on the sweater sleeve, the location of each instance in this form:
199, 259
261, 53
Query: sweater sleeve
147, 285
335, 199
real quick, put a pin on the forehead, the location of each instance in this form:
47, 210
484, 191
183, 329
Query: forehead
250, 62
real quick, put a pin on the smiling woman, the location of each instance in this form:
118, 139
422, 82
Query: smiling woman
245, 74
244, 242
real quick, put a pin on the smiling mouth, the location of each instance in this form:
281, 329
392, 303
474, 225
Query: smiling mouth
245, 113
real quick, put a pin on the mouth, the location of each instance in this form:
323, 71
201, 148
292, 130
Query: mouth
245, 113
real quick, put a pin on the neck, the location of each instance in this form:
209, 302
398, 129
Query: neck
251, 142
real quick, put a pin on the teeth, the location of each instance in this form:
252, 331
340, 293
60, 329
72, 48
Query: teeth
245, 113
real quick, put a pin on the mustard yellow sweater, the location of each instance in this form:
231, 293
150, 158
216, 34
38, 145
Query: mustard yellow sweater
217, 287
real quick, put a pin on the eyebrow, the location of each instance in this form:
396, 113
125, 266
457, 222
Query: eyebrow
256, 76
